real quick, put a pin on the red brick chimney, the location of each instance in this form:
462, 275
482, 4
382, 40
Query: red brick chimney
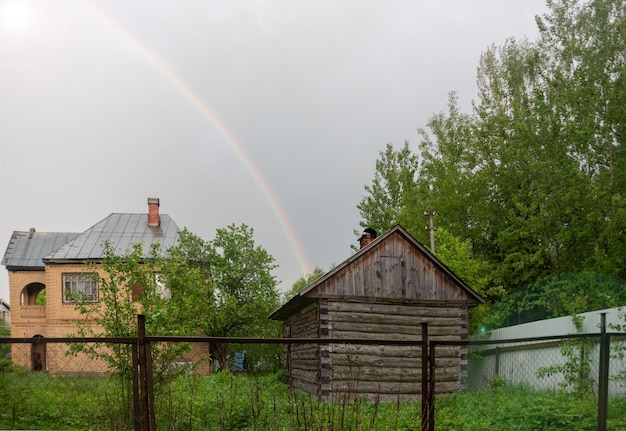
153, 212
368, 236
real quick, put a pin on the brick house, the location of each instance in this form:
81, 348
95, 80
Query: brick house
54, 263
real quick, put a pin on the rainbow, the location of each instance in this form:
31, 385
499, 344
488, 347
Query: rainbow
208, 113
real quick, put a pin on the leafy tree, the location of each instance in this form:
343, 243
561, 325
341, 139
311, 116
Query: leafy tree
220, 288
245, 294
186, 270
394, 182
585, 44
224, 288
457, 255
303, 282
556, 296
130, 286
447, 183
526, 170
533, 180
5, 348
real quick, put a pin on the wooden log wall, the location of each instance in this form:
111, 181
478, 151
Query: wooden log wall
303, 360
390, 372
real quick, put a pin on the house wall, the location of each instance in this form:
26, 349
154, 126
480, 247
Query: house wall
55, 319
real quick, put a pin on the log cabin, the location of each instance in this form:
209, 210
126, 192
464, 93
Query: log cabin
384, 291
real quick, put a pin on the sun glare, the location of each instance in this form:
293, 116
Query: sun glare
15, 16
30, 31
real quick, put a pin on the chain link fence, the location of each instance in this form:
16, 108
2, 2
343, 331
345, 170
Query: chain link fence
534, 383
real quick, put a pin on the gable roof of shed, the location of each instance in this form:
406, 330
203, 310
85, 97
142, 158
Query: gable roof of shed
301, 299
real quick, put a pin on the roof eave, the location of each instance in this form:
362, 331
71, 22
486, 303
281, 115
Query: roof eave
15, 268
290, 307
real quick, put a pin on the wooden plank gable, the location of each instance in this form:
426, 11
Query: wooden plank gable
394, 267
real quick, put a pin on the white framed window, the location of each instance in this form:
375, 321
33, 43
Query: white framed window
81, 286
161, 286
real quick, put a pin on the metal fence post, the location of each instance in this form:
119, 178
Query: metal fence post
431, 386
137, 416
603, 374
425, 382
145, 367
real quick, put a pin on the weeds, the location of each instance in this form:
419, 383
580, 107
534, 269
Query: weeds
227, 401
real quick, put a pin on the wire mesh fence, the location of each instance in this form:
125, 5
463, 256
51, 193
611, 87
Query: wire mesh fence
68, 384
559, 382
74, 396
235, 384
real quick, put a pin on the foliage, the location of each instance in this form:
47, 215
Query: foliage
5, 349
618, 350
576, 370
534, 178
130, 286
456, 254
508, 407
245, 295
220, 288
303, 282
394, 182
42, 401
557, 296
245, 287
242, 402
41, 298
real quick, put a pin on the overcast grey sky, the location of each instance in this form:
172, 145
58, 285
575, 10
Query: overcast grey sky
268, 113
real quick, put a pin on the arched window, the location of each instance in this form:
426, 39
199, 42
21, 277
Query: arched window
33, 294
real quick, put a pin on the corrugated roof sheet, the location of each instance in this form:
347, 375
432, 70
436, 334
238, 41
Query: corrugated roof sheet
26, 252
121, 230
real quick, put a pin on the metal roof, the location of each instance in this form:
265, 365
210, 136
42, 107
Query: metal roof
122, 230
32, 250
26, 250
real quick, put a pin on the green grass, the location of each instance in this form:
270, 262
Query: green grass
42, 401
243, 402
